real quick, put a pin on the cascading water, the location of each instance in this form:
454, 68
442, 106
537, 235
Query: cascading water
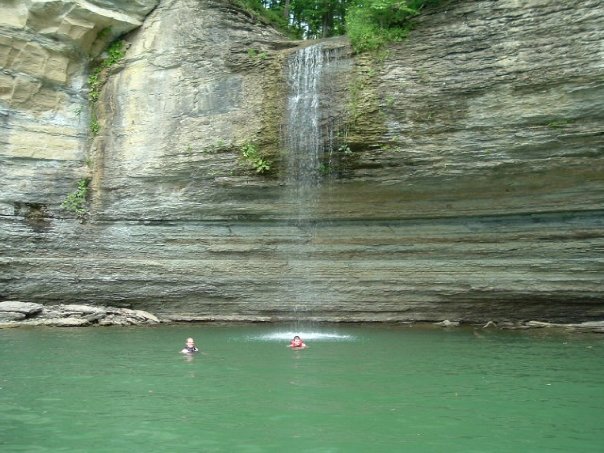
309, 130
307, 138
302, 132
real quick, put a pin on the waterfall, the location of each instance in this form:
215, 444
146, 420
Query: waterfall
308, 132
307, 138
303, 139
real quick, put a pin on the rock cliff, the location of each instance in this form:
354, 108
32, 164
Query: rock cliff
45, 48
462, 171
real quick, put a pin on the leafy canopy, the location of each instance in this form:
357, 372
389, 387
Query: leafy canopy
368, 23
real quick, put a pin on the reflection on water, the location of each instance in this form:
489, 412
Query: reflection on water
358, 388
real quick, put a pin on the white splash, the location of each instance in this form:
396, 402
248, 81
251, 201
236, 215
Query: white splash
323, 336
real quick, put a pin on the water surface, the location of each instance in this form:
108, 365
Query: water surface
356, 388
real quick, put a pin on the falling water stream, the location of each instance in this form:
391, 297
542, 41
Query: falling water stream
307, 138
303, 139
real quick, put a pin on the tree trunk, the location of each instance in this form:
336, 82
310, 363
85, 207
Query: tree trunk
327, 24
286, 10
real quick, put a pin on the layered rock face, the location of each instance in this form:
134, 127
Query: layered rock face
494, 114
461, 173
45, 47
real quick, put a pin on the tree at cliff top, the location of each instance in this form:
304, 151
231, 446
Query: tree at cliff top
308, 19
369, 23
372, 23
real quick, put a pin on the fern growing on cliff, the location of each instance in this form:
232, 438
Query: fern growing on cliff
251, 154
115, 52
77, 200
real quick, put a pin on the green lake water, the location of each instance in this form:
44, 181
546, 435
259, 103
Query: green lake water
355, 389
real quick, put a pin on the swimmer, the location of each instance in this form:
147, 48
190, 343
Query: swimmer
297, 343
190, 347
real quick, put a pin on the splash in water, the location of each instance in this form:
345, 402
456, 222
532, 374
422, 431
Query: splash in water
321, 336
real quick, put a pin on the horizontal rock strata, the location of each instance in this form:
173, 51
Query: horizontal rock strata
470, 185
45, 51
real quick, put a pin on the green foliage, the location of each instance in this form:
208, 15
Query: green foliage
345, 149
76, 201
373, 23
319, 18
104, 33
115, 52
559, 124
271, 11
94, 86
370, 24
254, 54
302, 18
250, 153
95, 127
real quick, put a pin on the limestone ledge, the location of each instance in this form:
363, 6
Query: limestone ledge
75, 21
16, 313
22, 314
44, 45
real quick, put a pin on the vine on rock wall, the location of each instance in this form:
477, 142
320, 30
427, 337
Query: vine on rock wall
97, 78
77, 201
